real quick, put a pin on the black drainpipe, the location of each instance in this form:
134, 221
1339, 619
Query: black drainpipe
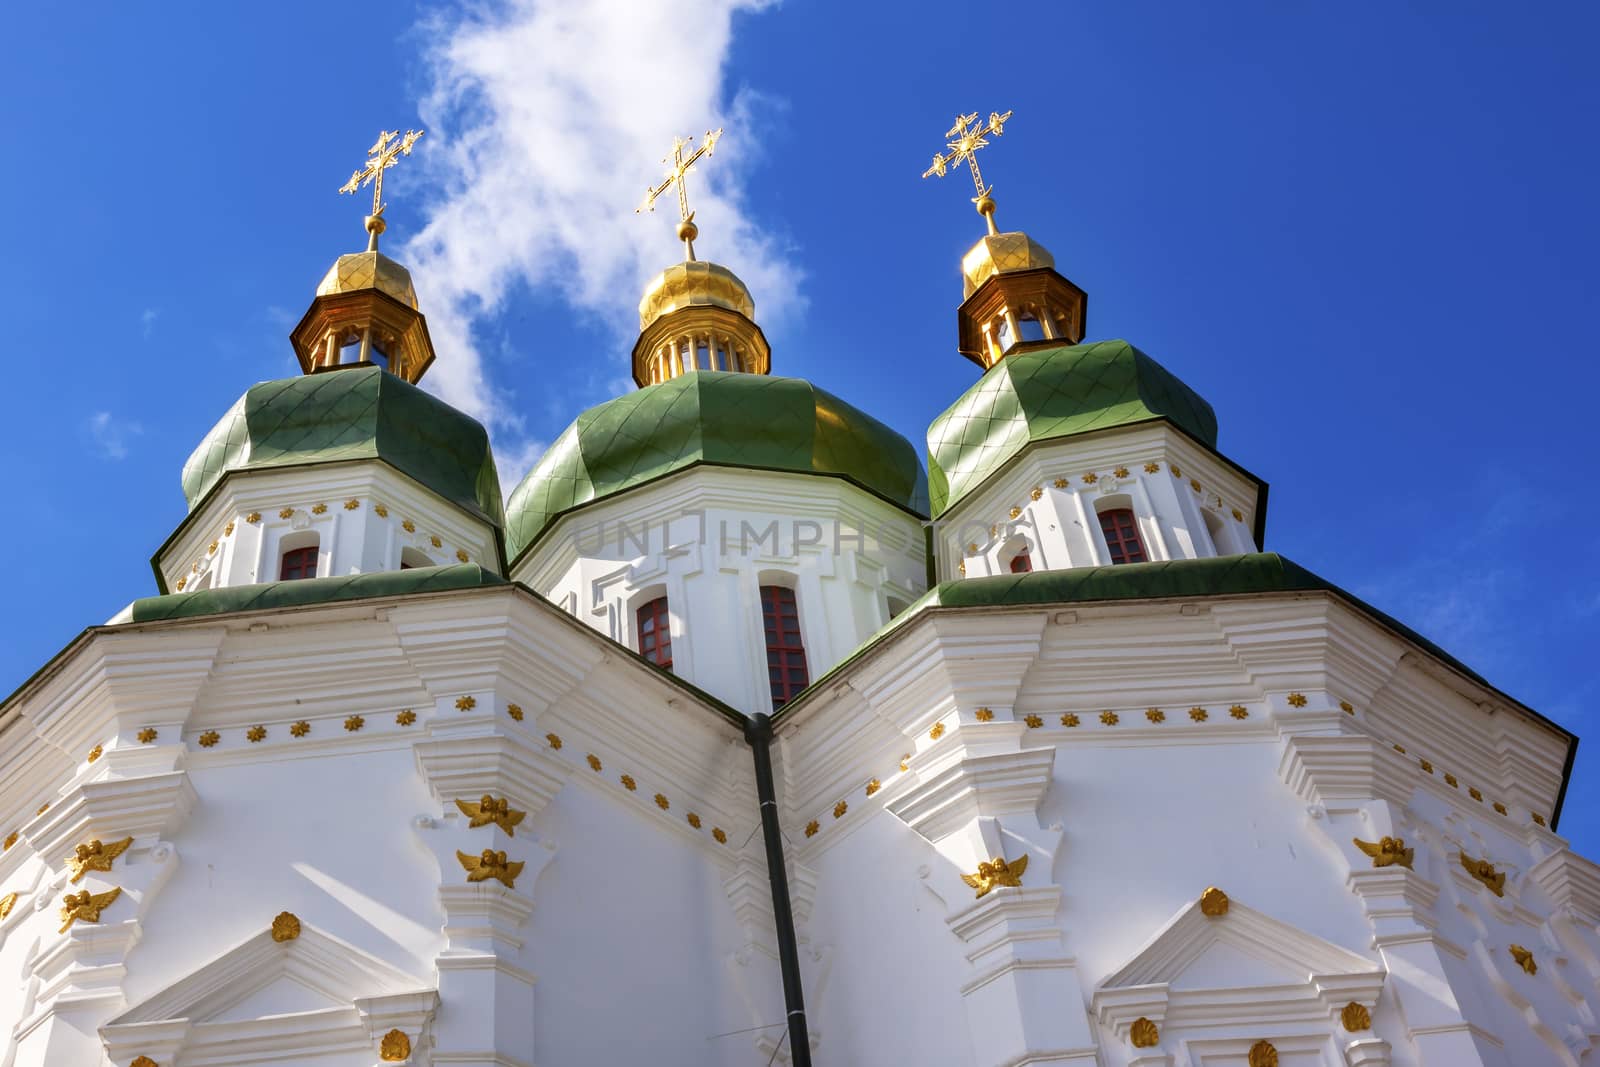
758, 731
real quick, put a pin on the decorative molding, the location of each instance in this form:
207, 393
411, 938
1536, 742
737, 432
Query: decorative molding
1320, 979
189, 1022
941, 800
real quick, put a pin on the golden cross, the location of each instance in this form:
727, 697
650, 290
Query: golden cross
963, 141
383, 154
677, 175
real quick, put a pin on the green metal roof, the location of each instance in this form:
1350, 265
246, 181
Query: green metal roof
714, 417
273, 595
1254, 572
350, 414
1049, 393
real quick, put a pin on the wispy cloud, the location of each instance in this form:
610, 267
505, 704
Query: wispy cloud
110, 435
545, 120
147, 321
1472, 576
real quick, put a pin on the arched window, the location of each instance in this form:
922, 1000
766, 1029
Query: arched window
1122, 535
786, 653
655, 632
1021, 563
298, 563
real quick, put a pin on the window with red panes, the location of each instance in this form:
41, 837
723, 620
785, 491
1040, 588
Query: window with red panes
1021, 563
299, 563
655, 633
786, 654
1122, 536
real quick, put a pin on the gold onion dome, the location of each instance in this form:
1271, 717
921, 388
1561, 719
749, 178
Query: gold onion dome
369, 270
1001, 253
697, 316
695, 283
365, 312
694, 315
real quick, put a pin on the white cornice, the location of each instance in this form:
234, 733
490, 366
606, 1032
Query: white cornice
155, 805
947, 798
1572, 882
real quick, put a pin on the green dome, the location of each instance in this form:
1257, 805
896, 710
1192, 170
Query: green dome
722, 418
350, 414
1049, 393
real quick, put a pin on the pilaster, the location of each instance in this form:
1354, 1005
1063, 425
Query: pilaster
78, 971
974, 797
483, 766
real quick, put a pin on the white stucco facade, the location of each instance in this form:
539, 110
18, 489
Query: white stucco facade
707, 539
362, 516
1189, 503
635, 935
1213, 812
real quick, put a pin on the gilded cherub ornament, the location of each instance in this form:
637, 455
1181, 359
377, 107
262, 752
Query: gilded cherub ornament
85, 906
490, 864
1524, 959
489, 810
7, 902
995, 874
1388, 852
95, 856
1484, 872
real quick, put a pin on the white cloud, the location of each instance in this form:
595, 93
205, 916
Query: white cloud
147, 320
546, 120
110, 435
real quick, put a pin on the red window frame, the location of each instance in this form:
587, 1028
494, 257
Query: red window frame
1021, 563
786, 652
655, 632
298, 563
1121, 530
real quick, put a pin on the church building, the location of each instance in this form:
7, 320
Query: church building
739, 733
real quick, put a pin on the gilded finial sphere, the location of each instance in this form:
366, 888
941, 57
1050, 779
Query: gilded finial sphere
687, 230
985, 205
375, 224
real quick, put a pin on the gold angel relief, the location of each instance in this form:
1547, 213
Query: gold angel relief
1484, 872
85, 906
1524, 959
95, 856
490, 864
489, 810
997, 873
1388, 852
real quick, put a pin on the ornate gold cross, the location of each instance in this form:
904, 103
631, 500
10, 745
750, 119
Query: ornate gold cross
963, 141
383, 154
677, 174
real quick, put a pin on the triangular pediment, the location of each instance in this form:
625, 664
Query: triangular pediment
292, 998
310, 972
1193, 950
1208, 969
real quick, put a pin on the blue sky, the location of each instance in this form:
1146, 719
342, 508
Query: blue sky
1364, 232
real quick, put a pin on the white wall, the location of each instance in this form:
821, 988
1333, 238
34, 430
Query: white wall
1056, 504
709, 538
351, 540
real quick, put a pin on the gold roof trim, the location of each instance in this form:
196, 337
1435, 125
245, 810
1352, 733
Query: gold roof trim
694, 283
1001, 253
369, 270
